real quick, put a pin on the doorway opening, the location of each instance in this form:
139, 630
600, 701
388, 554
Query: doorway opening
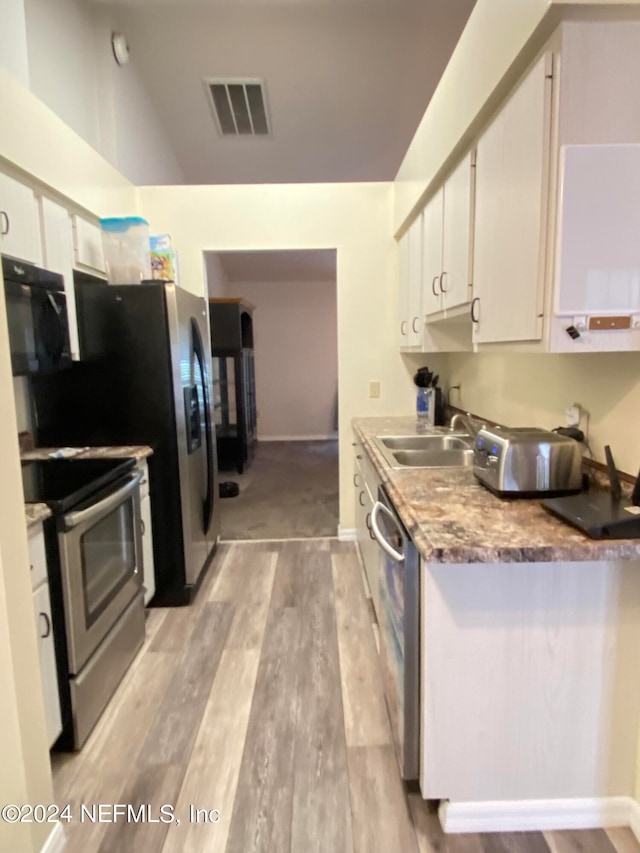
275, 391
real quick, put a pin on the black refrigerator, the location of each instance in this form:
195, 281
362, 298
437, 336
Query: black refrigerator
145, 378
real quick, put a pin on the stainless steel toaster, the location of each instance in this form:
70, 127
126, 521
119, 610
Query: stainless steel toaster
527, 462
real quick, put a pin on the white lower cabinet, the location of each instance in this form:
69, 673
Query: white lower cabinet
48, 672
149, 577
44, 628
366, 493
147, 549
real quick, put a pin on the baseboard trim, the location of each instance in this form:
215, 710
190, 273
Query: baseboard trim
521, 815
634, 818
328, 437
347, 534
56, 842
281, 539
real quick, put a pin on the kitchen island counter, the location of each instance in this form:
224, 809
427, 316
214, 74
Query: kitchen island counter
453, 519
528, 673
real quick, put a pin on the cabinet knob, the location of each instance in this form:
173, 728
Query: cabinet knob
443, 289
4, 219
474, 316
47, 625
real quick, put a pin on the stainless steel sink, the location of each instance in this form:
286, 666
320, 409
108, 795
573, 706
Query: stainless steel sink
427, 443
427, 451
433, 458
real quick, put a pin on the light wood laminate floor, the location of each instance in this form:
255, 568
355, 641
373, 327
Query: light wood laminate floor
263, 701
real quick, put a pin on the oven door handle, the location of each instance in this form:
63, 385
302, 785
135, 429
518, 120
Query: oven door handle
73, 519
382, 542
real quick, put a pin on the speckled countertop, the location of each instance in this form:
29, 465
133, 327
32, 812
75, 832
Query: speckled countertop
132, 451
36, 513
453, 519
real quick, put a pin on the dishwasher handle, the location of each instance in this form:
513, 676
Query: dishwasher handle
382, 542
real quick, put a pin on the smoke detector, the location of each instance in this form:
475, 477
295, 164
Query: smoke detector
239, 106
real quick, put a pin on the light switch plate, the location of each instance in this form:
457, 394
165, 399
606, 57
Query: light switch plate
374, 388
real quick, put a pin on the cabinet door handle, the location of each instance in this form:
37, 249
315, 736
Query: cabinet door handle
413, 325
403, 329
355, 480
474, 317
47, 626
360, 497
433, 285
143, 528
443, 289
4, 218
367, 521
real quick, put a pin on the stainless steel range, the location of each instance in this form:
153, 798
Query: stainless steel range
94, 558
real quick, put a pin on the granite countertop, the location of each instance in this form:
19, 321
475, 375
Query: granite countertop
35, 513
135, 451
453, 519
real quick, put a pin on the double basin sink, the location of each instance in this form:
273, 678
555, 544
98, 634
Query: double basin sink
452, 450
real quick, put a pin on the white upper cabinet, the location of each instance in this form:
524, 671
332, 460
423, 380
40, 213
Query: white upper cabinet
458, 215
411, 321
57, 256
511, 202
403, 300
597, 281
88, 245
19, 221
447, 242
432, 225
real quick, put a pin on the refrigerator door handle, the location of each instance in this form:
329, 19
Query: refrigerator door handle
198, 348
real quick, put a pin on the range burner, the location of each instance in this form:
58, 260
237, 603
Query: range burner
64, 483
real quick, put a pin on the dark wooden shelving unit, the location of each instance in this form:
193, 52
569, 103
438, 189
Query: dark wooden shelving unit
234, 384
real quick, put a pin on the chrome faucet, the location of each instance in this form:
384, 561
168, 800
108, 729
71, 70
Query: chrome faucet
473, 426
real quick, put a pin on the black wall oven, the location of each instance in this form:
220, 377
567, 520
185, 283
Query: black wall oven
94, 555
37, 318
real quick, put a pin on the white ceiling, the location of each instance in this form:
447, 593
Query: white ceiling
347, 80
300, 266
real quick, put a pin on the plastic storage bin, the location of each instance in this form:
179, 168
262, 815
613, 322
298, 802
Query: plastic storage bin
126, 249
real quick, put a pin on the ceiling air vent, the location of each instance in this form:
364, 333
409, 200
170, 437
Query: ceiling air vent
239, 106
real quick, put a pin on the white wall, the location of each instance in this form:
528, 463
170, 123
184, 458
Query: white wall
296, 356
72, 70
217, 283
36, 141
25, 773
535, 390
13, 40
355, 219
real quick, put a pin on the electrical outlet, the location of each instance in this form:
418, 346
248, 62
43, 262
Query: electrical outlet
374, 388
572, 415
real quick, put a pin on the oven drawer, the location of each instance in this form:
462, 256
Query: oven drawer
92, 689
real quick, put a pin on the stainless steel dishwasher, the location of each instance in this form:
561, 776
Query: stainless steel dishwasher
399, 623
